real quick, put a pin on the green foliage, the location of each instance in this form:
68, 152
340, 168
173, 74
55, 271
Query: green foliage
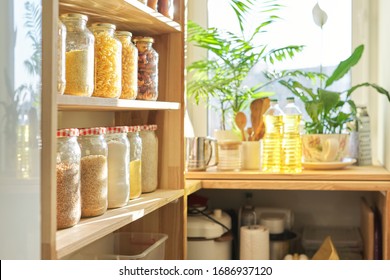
329, 111
232, 57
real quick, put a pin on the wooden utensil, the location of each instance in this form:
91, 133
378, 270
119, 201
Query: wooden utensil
250, 133
258, 108
241, 123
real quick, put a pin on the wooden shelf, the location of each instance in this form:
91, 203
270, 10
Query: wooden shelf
129, 15
367, 178
90, 229
82, 103
192, 186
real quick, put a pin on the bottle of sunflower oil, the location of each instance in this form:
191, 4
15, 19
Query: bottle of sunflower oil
272, 140
291, 143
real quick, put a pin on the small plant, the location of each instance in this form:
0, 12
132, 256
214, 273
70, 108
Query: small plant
232, 57
329, 111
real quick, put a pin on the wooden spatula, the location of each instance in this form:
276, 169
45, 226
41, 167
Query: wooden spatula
241, 123
258, 108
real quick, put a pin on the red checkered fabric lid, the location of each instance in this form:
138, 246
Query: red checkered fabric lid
92, 131
148, 127
68, 132
117, 129
134, 128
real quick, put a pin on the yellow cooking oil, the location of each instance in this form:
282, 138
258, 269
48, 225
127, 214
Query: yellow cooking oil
272, 141
291, 143
135, 179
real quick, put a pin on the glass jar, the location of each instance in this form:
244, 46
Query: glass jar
135, 161
79, 61
68, 178
165, 7
108, 61
93, 169
61, 43
143, 1
149, 158
118, 166
129, 65
229, 155
152, 4
147, 69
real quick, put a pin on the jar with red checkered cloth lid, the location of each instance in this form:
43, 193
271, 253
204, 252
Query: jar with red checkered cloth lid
118, 166
149, 158
135, 161
68, 178
94, 171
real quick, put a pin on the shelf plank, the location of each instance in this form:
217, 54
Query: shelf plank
78, 103
192, 186
90, 229
130, 15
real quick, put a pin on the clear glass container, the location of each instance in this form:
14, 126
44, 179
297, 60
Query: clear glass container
149, 158
129, 65
93, 169
108, 61
68, 178
135, 161
61, 43
79, 61
118, 166
147, 69
229, 155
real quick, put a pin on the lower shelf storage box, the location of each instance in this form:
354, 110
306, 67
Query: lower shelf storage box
138, 246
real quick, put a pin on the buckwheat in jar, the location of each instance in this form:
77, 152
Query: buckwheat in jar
93, 169
135, 161
79, 57
118, 166
147, 69
108, 61
129, 65
149, 158
68, 178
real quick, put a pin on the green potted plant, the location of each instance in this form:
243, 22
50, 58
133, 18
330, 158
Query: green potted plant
329, 111
233, 55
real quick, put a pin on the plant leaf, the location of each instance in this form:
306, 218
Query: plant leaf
329, 99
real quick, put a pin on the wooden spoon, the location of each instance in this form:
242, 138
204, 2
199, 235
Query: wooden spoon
241, 123
250, 133
258, 108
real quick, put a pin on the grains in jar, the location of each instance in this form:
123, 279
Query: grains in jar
118, 166
79, 57
68, 178
129, 65
93, 171
135, 161
61, 44
147, 69
149, 158
108, 61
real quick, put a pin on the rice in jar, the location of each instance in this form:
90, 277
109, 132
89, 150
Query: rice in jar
149, 158
93, 169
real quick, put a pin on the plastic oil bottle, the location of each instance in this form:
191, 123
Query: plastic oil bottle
272, 140
292, 143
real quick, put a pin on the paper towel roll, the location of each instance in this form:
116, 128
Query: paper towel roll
254, 243
274, 222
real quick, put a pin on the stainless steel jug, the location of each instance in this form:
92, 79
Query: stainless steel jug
198, 153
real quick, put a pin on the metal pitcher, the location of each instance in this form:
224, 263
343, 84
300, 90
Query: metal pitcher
198, 153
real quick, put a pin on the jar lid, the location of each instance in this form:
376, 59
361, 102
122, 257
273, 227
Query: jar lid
143, 39
123, 33
148, 127
67, 132
117, 129
74, 16
92, 131
103, 25
134, 128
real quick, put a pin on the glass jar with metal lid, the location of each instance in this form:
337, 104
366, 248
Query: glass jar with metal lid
79, 61
135, 161
129, 65
118, 166
108, 61
149, 158
68, 178
93, 169
61, 43
147, 69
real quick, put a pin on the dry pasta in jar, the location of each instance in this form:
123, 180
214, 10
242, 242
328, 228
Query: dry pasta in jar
79, 56
118, 166
129, 65
68, 178
108, 61
149, 158
147, 69
93, 170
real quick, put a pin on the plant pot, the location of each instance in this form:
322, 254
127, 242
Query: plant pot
325, 147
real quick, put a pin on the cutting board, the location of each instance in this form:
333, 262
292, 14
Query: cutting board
367, 229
